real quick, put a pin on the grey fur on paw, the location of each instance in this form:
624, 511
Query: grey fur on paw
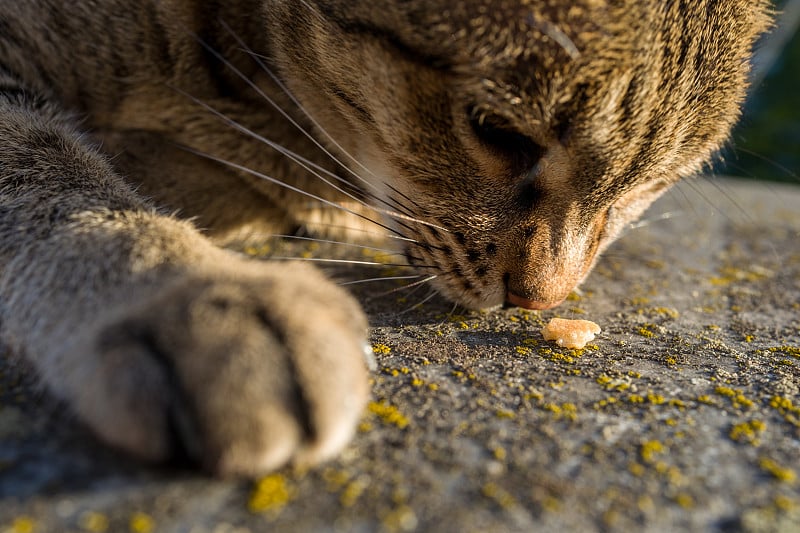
243, 373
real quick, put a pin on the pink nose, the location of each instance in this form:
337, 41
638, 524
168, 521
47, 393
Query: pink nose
521, 301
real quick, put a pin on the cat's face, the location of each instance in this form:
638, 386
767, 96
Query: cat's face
523, 137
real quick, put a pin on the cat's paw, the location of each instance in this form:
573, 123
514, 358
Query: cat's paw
243, 372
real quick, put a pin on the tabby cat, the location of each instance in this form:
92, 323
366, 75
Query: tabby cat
502, 144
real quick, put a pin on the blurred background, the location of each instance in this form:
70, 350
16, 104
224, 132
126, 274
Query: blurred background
766, 143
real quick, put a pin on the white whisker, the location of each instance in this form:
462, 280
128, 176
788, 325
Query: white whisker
419, 304
341, 243
407, 286
646, 222
259, 60
300, 160
289, 187
341, 261
555, 33
358, 230
271, 102
308, 165
385, 278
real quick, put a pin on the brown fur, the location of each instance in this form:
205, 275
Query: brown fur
515, 138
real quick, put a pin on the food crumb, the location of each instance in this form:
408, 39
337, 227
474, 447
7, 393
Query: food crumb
570, 333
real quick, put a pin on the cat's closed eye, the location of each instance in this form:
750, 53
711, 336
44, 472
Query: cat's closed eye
519, 152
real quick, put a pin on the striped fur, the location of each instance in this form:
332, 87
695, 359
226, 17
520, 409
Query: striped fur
507, 142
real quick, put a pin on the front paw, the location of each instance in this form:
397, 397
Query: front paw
243, 372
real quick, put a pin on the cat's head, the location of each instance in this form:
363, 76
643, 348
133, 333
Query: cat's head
524, 134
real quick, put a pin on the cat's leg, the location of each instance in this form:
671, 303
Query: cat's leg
155, 338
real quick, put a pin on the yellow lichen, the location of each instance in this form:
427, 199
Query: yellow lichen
684, 500
784, 406
637, 469
534, 395
93, 522
737, 398
730, 275
603, 380
748, 431
499, 495
794, 351
23, 524
141, 523
783, 503
674, 402
352, 492
335, 479
655, 399
608, 401
649, 450
645, 331
270, 494
781, 473
401, 518
388, 413
380, 349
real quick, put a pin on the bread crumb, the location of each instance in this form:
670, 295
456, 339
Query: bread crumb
570, 333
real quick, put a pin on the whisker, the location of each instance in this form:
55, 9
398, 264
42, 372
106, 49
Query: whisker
395, 190
555, 33
385, 278
287, 186
729, 198
418, 304
772, 162
307, 165
258, 58
407, 286
297, 158
302, 161
362, 230
679, 190
339, 261
271, 102
449, 316
410, 219
646, 222
341, 243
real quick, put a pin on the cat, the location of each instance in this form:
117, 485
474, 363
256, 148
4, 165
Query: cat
501, 144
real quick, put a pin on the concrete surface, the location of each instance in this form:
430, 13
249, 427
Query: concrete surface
683, 415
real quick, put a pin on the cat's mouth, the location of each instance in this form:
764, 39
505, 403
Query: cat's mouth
518, 269
527, 303
482, 287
